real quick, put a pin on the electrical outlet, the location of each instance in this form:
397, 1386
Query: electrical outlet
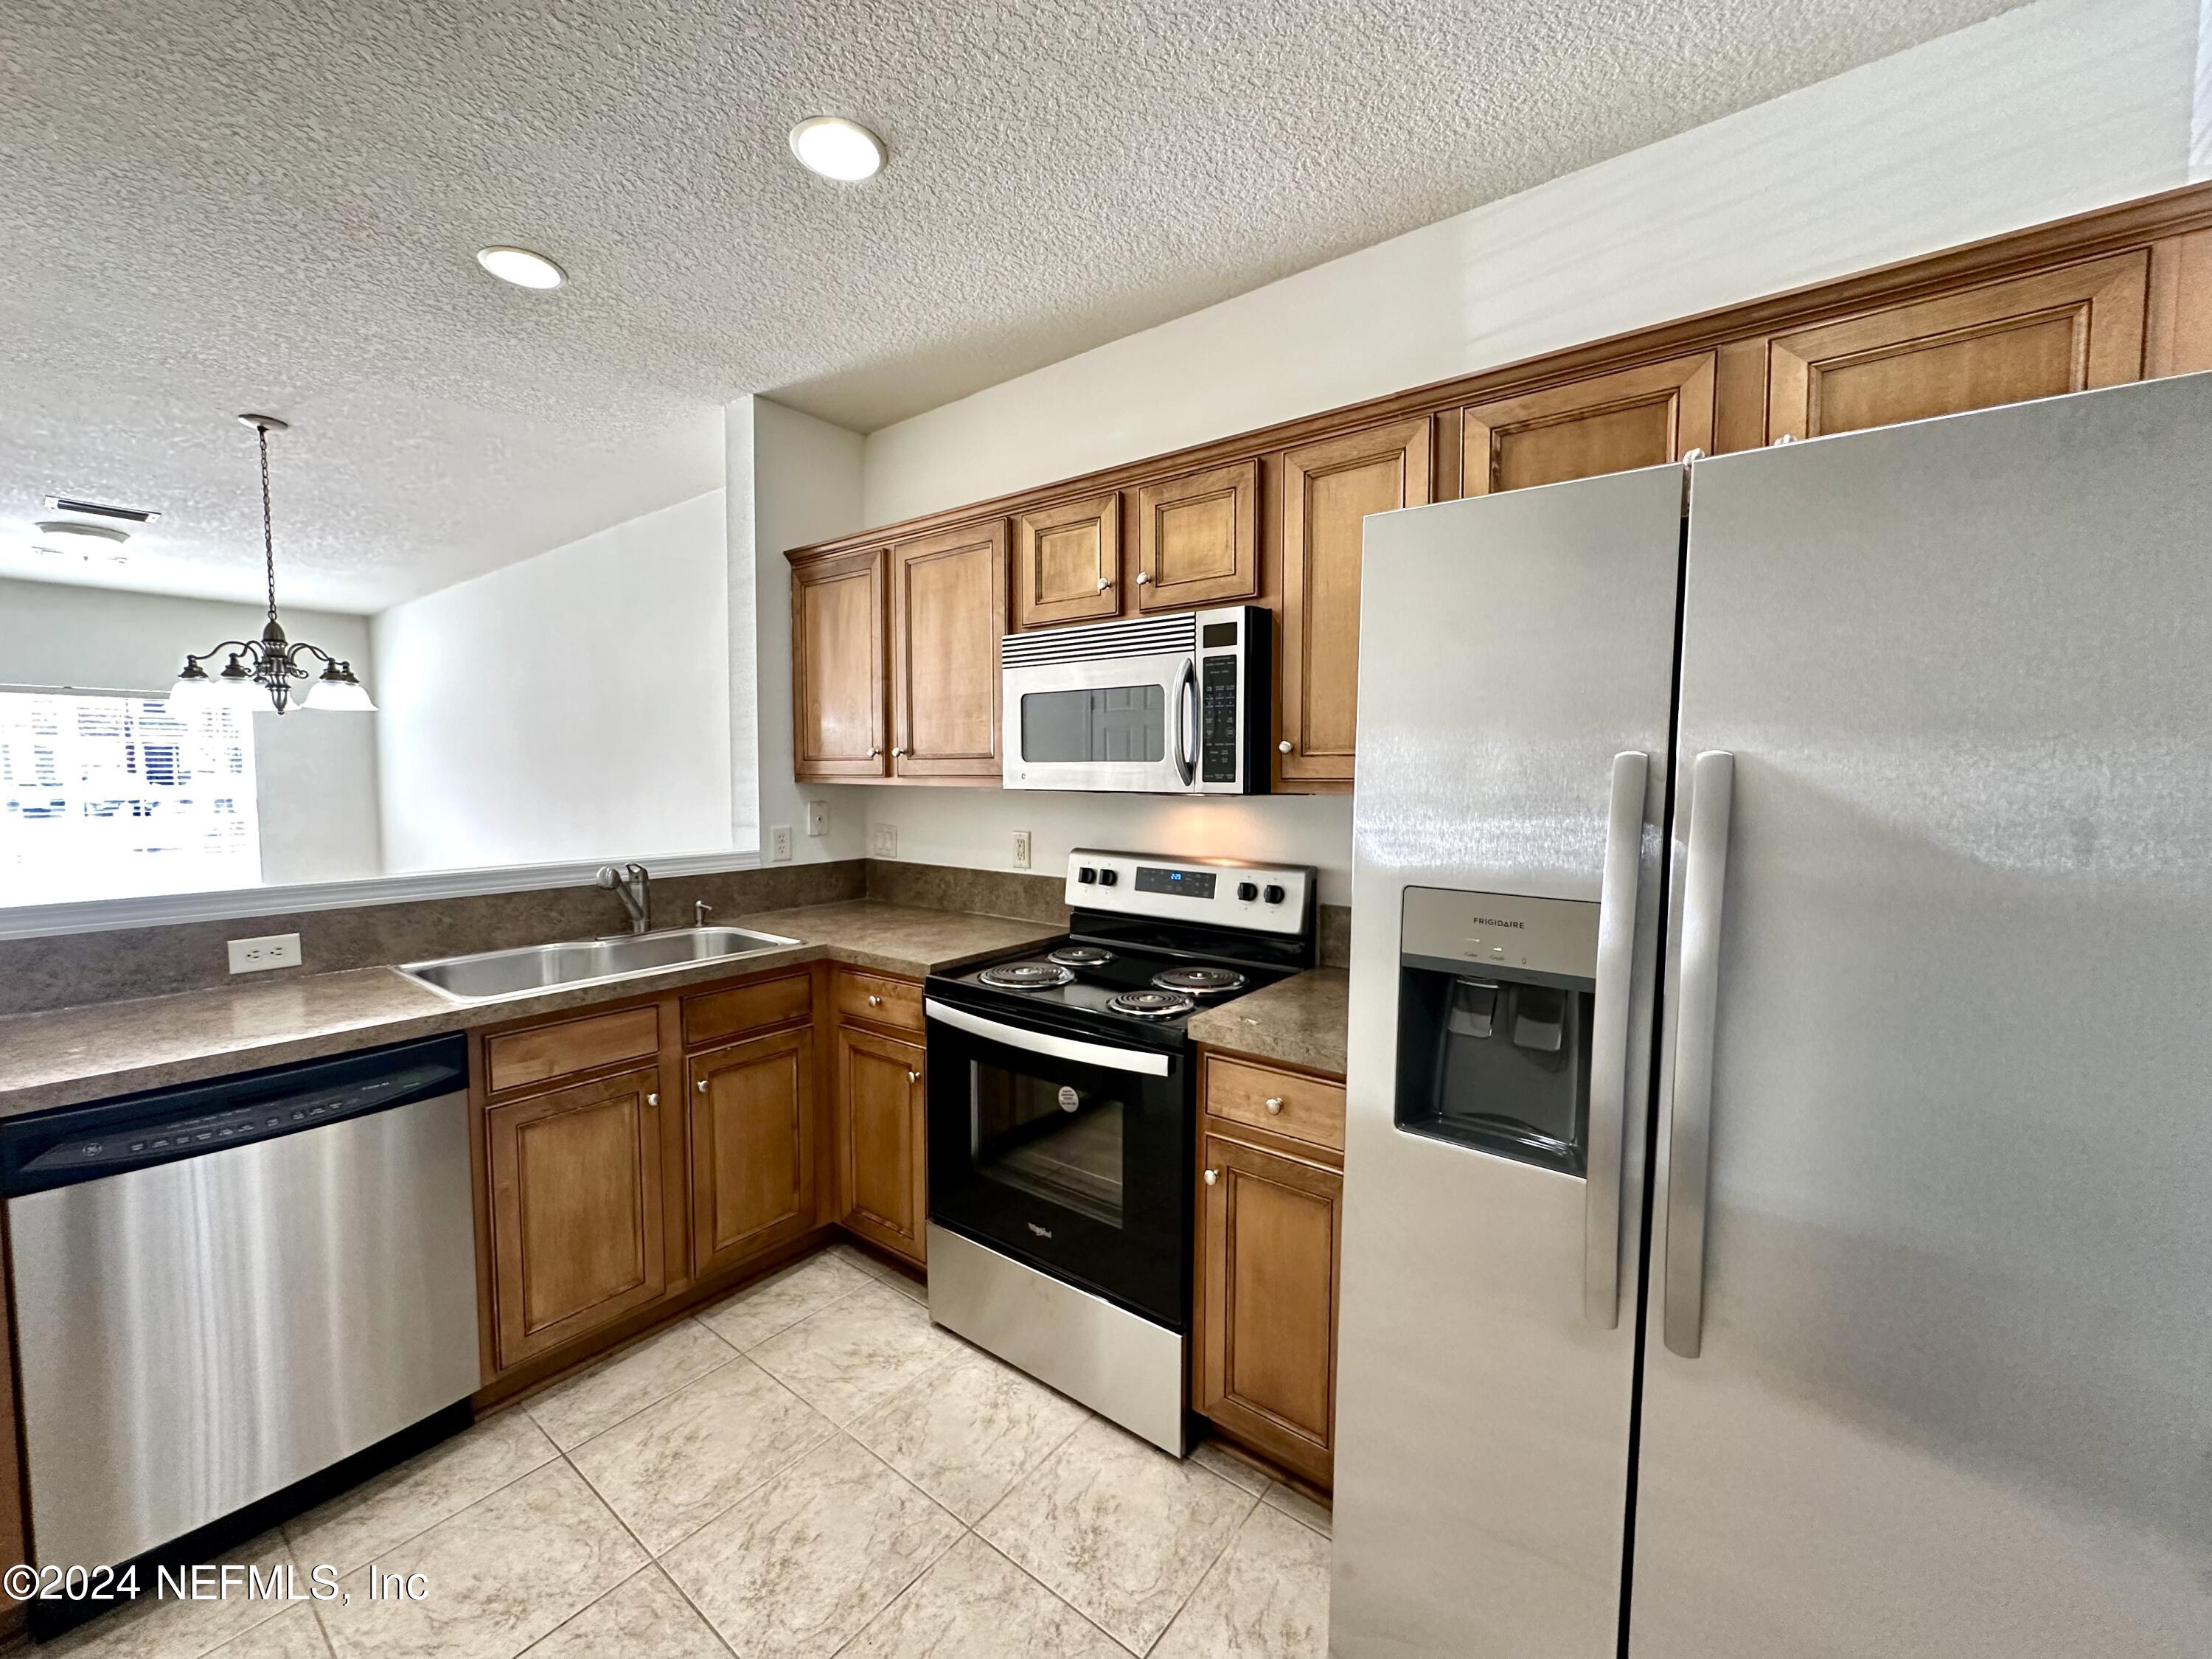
818, 817
885, 845
1021, 849
778, 844
254, 955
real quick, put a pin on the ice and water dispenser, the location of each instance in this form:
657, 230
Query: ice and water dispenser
1494, 993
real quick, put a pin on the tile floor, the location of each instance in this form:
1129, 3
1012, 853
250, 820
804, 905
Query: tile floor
808, 1469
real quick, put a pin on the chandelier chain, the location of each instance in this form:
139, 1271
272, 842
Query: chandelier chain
268, 531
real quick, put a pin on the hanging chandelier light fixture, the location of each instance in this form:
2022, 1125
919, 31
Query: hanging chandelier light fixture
272, 663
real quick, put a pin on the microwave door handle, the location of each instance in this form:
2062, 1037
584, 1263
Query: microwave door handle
1185, 752
1045, 1042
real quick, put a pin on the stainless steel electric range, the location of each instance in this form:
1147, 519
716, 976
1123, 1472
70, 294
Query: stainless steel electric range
1062, 1117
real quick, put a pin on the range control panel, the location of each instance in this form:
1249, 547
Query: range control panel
1275, 898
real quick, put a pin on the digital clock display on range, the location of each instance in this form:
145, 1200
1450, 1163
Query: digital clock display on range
1191, 884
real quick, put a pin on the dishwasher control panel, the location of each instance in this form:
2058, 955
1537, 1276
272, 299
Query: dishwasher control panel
82, 1143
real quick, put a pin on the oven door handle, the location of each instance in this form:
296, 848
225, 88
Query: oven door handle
1044, 1043
1186, 754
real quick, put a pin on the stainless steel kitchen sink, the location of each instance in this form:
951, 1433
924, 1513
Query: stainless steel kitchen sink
527, 968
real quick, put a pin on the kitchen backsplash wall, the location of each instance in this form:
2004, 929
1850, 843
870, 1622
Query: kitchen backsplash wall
67, 970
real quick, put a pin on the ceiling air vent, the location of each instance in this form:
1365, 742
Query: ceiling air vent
102, 510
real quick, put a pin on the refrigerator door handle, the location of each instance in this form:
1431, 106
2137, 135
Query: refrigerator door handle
1689, 1137
1610, 1019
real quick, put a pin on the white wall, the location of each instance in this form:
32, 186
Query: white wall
794, 479
576, 705
315, 773
2053, 109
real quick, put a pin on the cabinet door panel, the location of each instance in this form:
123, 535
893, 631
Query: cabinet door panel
1611, 422
753, 1147
838, 685
1267, 1353
1197, 538
948, 611
1067, 562
2057, 332
1329, 489
576, 1203
883, 1179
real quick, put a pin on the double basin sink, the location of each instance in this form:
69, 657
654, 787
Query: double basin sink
527, 968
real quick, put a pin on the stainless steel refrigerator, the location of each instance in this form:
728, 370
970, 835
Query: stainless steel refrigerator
1778, 1173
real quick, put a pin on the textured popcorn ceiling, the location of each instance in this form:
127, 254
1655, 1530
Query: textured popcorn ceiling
215, 205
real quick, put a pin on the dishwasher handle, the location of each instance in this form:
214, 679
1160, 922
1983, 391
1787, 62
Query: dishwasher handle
74, 1144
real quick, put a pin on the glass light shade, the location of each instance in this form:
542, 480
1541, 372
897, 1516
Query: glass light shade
235, 687
335, 692
193, 685
837, 149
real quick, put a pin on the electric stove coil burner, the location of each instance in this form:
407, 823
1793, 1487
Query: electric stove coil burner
1081, 956
1150, 1005
1199, 981
1025, 976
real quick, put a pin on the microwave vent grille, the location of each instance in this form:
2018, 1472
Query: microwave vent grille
1147, 636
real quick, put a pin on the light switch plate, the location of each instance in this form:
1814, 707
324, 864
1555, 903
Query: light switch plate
884, 844
254, 955
778, 844
1021, 849
818, 817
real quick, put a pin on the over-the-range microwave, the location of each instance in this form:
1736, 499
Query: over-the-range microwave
1176, 705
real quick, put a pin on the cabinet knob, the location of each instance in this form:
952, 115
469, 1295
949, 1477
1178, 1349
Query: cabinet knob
875, 1002
701, 1086
898, 749
1144, 577
874, 753
1273, 1104
913, 1077
1283, 746
1105, 582
653, 1100
1212, 1176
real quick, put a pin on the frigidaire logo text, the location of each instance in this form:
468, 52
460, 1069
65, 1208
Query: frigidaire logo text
1041, 1232
1492, 921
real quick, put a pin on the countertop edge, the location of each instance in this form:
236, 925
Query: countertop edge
219, 1057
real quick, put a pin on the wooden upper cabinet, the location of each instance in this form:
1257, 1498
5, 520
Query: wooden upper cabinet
1271, 1234
838, 683
1067, 562
576, 1205
1611, 422
948, 612
2067, 330
751, 1120
1329, 488
1197, 538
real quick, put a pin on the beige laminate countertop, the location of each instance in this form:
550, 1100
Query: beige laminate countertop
61, 1056
1303, 1020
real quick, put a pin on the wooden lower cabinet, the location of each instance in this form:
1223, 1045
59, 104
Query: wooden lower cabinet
1269, 1239
882, 1139
751, 1110
577, 1189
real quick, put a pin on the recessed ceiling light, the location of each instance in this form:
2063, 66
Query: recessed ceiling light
521, 267
837, 149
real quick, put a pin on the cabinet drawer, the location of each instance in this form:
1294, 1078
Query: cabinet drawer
878, 999
713, 1015
1304, 1108
574, 1045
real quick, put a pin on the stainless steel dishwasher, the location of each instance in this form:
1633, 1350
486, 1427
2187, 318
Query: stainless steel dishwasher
223, 1289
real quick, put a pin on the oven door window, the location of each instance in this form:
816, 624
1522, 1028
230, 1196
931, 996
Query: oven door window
1060, 1142
1126, 723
